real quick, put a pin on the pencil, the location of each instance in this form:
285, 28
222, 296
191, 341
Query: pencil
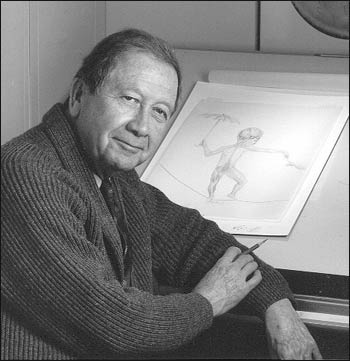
251, 249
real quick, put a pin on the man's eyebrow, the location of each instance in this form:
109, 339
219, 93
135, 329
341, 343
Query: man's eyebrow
168, 105
120, 88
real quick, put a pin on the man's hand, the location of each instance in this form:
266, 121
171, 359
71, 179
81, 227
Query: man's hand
288, 337
225, 285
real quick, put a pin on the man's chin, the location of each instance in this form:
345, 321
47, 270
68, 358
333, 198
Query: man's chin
109, 164
124, 165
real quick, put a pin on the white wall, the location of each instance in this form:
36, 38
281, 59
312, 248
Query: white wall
206, 25
61, 34
14, 68
283, 30
43, 42
42, 46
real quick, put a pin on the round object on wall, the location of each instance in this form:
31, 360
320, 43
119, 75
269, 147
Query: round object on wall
329, 17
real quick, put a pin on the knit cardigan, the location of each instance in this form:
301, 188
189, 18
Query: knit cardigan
62, 265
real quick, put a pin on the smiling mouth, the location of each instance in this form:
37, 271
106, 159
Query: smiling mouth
128, 146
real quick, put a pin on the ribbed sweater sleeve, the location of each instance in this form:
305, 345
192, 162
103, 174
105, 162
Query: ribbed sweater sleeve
55, 277
186, 246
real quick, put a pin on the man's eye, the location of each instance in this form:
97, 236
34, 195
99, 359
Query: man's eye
161, 114
128, 98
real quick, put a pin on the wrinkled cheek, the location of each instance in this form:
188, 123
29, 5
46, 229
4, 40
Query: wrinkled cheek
94, 140
155, 141
109, 149
144, 156
157, 132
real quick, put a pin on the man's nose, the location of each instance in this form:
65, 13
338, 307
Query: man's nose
139, 123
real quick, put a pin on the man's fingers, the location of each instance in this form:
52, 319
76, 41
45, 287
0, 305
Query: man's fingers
249, 268
317, 354
307, 357
243, 260
255, 280
231, 253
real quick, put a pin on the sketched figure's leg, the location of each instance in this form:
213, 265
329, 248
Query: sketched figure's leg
214, 180
239, 178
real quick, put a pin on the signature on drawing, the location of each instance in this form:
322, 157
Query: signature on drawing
245, 228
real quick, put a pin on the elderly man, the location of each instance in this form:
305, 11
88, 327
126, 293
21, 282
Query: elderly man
83, 239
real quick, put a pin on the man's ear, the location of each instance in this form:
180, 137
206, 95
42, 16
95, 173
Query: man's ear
75, 97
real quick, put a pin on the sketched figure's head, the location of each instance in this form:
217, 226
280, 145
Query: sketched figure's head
250, 134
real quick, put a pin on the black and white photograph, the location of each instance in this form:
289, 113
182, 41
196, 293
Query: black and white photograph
174, 180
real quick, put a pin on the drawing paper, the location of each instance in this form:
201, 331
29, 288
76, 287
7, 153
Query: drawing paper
248, 157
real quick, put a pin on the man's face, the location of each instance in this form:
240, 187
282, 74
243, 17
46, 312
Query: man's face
123, 123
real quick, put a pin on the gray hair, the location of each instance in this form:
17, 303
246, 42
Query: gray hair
103, 58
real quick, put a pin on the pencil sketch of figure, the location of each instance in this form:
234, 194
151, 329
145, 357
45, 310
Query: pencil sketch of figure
230, 154
220, 118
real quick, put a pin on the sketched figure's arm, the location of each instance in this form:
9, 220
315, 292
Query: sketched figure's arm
208, 152
283, 152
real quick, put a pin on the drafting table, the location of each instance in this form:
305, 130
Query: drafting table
314, 258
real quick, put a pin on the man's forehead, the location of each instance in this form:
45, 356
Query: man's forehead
135, 67
136, 62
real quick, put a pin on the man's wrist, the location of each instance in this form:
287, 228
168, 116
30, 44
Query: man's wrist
281, 308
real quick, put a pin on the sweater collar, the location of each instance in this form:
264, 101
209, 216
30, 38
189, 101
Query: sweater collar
67, 144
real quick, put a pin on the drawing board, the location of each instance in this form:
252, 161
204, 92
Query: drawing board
248, 157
